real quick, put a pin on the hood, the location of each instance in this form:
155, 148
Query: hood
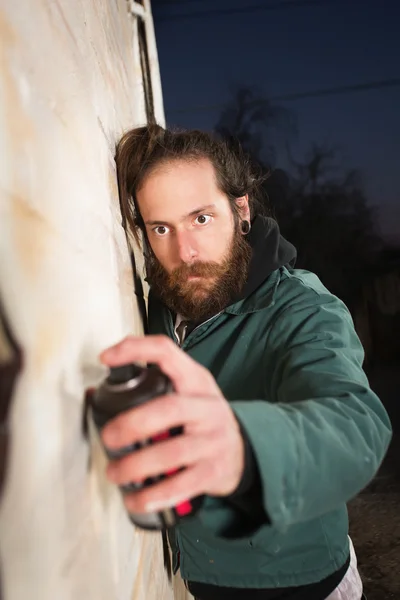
270, 252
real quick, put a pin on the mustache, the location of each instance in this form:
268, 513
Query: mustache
197, 269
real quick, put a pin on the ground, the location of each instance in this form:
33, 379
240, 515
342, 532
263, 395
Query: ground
375, 513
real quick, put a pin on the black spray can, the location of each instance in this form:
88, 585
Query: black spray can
125, 388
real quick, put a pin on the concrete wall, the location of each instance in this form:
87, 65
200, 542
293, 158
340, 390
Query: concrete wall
70, 84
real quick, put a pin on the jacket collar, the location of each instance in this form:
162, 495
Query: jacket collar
262, 297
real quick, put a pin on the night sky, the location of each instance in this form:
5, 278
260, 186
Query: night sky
292, 50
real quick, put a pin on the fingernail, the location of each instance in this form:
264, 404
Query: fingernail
160, 505
155, 507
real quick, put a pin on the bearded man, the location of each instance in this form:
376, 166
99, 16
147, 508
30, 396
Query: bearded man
280, 426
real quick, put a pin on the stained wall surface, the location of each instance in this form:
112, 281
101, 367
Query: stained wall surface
70, 84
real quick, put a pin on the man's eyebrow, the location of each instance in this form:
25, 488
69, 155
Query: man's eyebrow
156, 223
197, 211
201, 210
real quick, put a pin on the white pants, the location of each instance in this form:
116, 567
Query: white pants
350, 588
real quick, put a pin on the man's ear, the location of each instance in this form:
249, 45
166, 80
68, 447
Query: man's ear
243, 205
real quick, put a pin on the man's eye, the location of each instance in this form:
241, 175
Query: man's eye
160, 230
203, 219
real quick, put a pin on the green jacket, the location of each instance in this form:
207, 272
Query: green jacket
289, 362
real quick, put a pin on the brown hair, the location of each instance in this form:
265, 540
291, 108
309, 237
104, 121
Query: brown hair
143, 149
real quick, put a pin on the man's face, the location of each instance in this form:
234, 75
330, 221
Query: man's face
199, 258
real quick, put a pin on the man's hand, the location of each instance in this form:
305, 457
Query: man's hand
211, 446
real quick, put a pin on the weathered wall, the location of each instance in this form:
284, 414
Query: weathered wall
70, 84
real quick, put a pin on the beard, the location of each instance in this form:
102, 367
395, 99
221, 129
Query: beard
215, 287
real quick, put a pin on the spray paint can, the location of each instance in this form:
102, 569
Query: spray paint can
127, 387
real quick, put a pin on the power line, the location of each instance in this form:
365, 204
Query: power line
288, 4
177, 3
157, 5
333, 91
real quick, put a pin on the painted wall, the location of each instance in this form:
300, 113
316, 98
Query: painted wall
70, 84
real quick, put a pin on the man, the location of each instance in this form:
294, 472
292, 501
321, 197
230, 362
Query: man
281, 428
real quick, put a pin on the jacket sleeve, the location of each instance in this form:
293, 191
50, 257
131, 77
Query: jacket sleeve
322, 433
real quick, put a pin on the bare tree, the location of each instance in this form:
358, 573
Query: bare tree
320, 204
327, 216
249, 118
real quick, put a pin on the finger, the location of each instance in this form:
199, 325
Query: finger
155, 417
163, 457
170, 492
187, 376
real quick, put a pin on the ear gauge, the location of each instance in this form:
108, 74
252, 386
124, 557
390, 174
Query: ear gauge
245, 227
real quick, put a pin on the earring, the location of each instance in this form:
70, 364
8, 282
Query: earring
245, 227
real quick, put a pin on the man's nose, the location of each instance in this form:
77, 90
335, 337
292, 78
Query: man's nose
186, 247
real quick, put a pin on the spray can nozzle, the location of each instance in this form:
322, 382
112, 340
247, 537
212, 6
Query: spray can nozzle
123, 374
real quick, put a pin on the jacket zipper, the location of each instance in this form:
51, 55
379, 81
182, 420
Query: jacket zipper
198, 327
172, 330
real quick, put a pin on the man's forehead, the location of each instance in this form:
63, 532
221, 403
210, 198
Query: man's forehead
178, 175
177, 191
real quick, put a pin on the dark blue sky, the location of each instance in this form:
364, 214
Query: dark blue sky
336, 43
